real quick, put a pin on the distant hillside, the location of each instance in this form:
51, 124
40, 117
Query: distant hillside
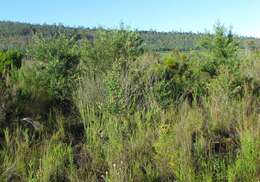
164, 41
18, 35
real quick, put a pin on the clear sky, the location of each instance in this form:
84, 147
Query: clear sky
161, 15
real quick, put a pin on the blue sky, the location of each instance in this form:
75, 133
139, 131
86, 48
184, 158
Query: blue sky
161, 15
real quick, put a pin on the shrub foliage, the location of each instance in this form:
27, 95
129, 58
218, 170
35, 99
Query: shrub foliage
104, 109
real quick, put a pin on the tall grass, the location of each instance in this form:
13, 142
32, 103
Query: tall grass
157, 145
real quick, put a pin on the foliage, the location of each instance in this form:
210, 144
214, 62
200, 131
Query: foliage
109, 46
172, 75
9, 59
222, 49
110, 111
59, 58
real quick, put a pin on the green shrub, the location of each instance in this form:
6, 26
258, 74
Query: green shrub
220, 49
173, 77
58, 58
10, 59
10, 63
109, 46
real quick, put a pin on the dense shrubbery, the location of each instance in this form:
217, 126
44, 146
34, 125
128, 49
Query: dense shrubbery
58, 58
8, 60
105, 110
179, 76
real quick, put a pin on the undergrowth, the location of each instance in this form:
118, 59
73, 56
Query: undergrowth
106, 110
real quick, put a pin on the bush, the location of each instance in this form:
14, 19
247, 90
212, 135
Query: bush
58, 58
220, 49
109, 46
181, 77
9, 59
10, 62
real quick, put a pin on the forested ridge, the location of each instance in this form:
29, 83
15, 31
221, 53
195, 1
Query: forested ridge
18, 35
